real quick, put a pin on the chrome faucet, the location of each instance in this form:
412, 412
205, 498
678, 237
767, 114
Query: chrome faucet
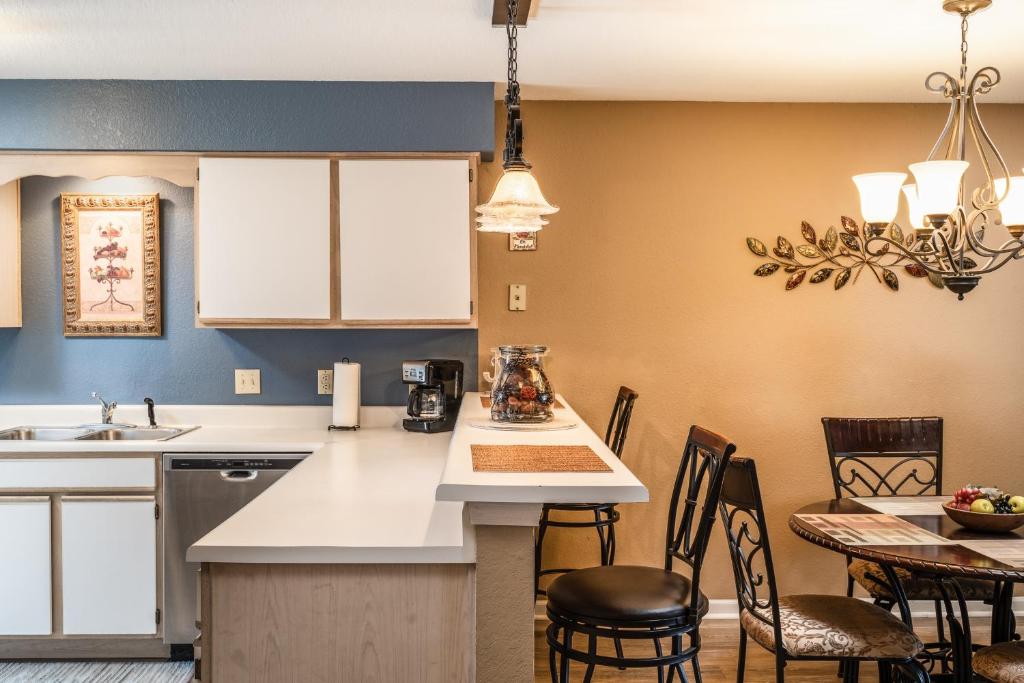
107, 411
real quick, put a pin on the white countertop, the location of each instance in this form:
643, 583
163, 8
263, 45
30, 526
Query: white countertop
460, 482
378, 495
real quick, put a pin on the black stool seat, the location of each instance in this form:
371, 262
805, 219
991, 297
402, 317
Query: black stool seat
624, 594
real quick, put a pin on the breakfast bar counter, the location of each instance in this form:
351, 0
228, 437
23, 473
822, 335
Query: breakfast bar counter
397, 530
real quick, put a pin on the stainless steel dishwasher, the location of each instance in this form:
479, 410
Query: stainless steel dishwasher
201, 490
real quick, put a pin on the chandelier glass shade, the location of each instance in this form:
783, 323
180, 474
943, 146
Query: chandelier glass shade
951, 224
517, 204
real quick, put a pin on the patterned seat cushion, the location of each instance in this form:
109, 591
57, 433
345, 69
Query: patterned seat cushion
1003, 663
834, 627
916, 587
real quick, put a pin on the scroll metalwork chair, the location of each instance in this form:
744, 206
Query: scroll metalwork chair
802, 627
646, 603
605, 515
1002, 663
899, 456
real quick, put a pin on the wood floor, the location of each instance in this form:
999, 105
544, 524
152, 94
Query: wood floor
718, 659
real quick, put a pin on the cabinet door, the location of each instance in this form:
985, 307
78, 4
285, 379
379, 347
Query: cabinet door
264, 239
405, 240
108, 565
25, 586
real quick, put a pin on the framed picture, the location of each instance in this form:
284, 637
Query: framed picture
110, 262
522, 241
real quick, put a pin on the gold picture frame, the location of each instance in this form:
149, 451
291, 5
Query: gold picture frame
110, 265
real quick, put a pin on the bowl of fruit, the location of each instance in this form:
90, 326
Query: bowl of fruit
985, 509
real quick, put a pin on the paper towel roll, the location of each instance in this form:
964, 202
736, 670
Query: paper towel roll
346, 394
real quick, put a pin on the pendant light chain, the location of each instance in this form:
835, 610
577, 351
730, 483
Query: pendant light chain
963, 49
513, 156
512, 30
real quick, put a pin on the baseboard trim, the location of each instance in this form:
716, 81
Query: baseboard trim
728, 609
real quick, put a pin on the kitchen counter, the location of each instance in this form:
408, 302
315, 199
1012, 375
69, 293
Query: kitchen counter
377, 495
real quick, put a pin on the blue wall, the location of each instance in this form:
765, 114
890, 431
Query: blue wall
236, 116
187, 365
39, 365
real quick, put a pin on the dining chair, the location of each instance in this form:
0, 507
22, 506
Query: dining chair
897, 456
605, 515
802, 627
646, 603
1002, 663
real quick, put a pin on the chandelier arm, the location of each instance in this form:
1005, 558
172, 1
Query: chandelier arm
955, 266
949, 88
987, 196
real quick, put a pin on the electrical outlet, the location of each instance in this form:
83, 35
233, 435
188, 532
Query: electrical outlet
325, 382
517, 297
247, 381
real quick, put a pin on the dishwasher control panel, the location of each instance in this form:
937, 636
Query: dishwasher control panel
228, 462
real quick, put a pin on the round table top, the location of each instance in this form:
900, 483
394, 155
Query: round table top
950, 560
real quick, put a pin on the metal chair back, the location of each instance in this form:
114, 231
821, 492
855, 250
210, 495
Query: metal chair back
618, 424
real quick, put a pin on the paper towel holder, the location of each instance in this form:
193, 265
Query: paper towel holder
339, 428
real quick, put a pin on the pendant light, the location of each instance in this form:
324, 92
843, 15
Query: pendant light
517, 204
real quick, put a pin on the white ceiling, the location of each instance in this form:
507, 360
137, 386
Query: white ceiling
738, 50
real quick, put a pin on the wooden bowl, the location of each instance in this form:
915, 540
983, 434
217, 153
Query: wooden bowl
983, 521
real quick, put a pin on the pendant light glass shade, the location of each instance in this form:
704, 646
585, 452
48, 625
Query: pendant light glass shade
1012, 207
879, 196
938, 185
913, 207
516, 205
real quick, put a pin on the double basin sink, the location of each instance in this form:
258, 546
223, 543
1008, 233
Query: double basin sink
102, 432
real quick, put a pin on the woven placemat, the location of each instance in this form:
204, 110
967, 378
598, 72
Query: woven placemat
485, 401
536, 459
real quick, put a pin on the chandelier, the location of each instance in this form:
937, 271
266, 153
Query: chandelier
517, 204
950, 226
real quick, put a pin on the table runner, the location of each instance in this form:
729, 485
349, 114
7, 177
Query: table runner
905, 506
872, 530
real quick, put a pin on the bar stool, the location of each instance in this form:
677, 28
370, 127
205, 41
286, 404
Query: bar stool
646, 603
604, 514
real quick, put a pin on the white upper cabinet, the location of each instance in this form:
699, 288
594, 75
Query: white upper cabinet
264, 245
25, 586
405, 241
108, 565
10, 256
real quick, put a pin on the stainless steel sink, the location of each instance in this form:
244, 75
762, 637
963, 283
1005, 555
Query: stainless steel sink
93, 432
136, 434
43, 433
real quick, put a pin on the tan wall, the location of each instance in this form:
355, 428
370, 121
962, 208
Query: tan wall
644, 279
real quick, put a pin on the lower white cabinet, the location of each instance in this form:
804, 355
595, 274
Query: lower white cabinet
25, 587
108, 565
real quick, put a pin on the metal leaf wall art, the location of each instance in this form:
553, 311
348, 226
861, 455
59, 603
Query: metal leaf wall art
839, 255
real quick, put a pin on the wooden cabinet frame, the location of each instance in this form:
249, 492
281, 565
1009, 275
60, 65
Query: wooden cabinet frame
335, 321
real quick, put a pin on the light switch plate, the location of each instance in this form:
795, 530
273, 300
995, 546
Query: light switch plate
325, 382
247, 381
517, 297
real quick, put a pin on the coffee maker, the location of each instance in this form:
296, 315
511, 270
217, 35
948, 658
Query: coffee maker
435, 394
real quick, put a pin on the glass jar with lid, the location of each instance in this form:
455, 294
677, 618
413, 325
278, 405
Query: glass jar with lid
522, 392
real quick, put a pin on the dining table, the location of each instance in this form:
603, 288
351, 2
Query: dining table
914, 534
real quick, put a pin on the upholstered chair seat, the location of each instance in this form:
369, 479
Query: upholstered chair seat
834, 627
1003, 663
624, 593
871, 577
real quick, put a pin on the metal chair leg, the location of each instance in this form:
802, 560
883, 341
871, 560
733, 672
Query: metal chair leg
611, 543
601, 537
592, 650
553, 634
564, 669
696, 670
542, 528
741, 664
